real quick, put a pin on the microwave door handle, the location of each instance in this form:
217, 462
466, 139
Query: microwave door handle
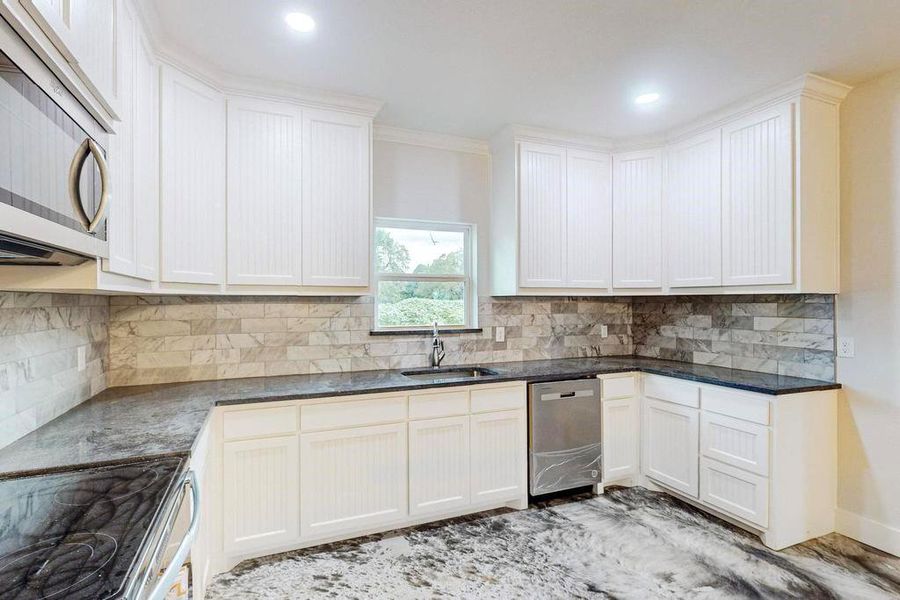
88, 147
75, 167
184, 548
104, 185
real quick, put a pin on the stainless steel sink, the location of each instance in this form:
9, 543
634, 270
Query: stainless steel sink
449, 373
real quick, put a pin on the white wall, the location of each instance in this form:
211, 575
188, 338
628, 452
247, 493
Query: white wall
417, 182
868, 309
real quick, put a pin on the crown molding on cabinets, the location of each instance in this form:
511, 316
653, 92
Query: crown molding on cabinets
429, 139
808, 85
526, 133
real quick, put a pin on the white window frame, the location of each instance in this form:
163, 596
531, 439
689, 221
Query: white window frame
468, 277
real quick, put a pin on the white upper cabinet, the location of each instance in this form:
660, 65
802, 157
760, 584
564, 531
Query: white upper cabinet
134, 207
336, 200
263, 192
589, 219
757, 198
542, 222
692, 209
637, 183
85, 33
192, 201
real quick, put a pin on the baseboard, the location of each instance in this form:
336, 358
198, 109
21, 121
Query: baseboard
868, 531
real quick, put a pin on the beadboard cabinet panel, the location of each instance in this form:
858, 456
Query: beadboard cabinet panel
263, 192
542, 220
352, 479
192, 201
671, 445
499, 456
637, 188
438, 465
692, 205
260, 492
757, 198
336, 200
146, 161
589, 219
621, 436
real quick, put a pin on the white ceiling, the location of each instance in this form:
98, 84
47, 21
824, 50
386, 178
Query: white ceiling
469, 67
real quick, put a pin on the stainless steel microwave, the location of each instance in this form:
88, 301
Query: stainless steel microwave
54, 173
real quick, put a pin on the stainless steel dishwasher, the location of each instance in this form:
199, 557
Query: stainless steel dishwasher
564, 449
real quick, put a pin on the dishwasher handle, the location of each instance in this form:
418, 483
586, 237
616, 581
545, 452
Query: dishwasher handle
567, 395
184, 548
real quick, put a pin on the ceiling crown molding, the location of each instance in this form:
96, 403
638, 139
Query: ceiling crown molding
428, 139
568, 138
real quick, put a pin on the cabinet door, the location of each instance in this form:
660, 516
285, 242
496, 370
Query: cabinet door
260, 493
146, 161
438, 465
499, 456
192, 201
692, 205
263, 192
352, 479
670, 436
735, 491
757, 199
735, 442
621, 433
589, 219
336, 206
542, 215
636, 220
121, 223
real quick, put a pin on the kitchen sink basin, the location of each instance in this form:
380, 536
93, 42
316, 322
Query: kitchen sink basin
449, 373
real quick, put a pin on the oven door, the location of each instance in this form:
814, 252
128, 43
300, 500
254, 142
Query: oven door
169, 545
54, 179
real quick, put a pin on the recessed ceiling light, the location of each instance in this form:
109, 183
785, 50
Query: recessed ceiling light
648, 98
300, 22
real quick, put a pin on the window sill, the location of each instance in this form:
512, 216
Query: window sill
377, 332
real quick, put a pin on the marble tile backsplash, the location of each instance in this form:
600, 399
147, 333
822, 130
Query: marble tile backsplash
784, 334
40, 335
159, 339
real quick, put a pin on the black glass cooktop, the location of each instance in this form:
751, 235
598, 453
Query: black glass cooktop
77, 535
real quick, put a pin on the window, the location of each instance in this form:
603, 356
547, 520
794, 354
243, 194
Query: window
423, 274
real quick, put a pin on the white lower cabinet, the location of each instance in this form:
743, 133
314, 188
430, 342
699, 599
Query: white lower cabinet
735, 491
735, 442
671, 437
438, 465
260, 493
352, 479
621, 427
499, 456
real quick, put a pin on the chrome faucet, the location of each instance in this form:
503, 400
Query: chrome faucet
437, 349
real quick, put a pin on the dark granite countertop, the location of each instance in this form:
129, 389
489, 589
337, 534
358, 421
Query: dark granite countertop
135, 423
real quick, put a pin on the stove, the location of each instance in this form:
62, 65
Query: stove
78, 535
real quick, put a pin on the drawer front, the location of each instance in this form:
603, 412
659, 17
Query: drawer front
353, 413
259, 422
734, 491
617, 387
671, 390
444, 404
503, 398
740, 405
735, 442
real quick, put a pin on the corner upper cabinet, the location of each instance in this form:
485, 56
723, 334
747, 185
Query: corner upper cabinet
692, 209
637, 237
192, 201
542, 223
264, 192
550, 214
337, 199
134, 208
758, 198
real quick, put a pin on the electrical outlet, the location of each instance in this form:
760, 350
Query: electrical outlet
604, 331
82, 358
499, 334
845, 347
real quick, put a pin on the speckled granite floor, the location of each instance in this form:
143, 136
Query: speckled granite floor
629, 543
